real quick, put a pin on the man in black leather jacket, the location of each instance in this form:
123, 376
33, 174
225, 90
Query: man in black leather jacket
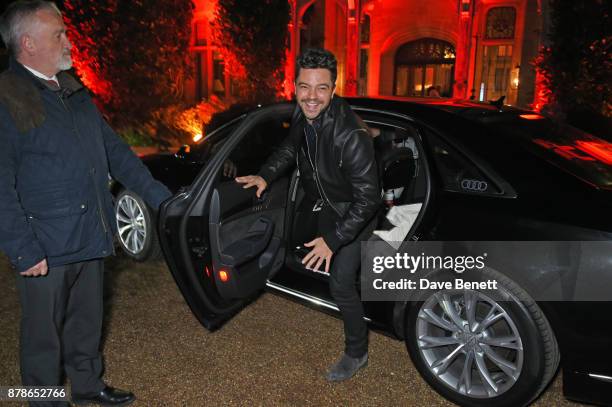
335, 157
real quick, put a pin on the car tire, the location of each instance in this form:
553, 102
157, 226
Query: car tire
137, 234
528, 350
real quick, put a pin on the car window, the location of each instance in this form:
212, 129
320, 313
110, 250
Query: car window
581, 154
255, 148
457, 172
211, 143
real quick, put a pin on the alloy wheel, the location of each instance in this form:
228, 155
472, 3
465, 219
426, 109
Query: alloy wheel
131, 224
470, 343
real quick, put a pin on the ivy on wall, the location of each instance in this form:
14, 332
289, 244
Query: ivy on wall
252, 36
575, 66
133, 55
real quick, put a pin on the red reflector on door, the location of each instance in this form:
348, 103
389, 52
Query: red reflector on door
223, 276
531, 116
207, 272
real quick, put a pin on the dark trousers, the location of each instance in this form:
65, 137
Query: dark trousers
61, 325
344, 270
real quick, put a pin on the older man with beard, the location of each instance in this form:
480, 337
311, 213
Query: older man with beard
56, 211
338, 172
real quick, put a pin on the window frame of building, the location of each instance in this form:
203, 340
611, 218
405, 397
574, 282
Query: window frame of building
491, 21
496, 67
364, 54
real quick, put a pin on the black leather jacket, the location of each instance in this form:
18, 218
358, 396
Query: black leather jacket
345, 173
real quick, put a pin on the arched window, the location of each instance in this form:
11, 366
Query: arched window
323, 25
312, 31
500, 23
422, 64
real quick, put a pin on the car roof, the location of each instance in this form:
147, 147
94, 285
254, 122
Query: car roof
460, 107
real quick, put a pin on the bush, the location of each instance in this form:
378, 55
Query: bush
253, 39
576, 64
133, 55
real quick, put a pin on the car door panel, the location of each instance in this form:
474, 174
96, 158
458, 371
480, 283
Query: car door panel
245, 236
220, 241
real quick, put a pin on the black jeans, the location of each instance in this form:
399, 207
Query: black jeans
345, 267
61, 324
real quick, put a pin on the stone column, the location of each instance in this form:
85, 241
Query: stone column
352, 48
463, 49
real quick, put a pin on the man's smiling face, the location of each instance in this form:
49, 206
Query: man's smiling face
314, 91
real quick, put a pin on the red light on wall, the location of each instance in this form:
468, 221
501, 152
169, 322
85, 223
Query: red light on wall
207, 272
543, 95
531, 116
224, 276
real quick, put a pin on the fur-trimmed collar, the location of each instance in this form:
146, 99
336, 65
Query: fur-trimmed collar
20, 94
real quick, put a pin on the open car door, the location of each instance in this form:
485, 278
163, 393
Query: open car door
220, 241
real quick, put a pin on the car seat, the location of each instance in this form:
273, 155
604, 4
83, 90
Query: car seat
396, 165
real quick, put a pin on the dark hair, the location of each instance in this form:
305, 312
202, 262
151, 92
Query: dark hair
13, 19
314, 58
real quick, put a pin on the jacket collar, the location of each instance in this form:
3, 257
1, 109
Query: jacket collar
65, 80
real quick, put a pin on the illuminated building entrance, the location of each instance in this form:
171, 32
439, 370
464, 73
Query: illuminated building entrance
422, 64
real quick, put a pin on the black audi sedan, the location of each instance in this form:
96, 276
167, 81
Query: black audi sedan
468, 172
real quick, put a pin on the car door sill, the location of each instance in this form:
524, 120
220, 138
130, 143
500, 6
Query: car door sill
603, 378
305, 297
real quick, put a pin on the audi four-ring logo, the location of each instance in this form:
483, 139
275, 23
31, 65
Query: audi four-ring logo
474, 185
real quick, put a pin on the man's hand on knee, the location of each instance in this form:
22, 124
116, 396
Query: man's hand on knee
320, 253
253, 181
39, 269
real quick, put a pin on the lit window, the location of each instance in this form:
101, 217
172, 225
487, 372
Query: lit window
424, 65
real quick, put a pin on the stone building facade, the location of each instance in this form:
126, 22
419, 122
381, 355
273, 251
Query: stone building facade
478, 49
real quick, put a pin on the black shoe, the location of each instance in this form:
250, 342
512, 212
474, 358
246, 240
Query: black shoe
346, 368
106, 397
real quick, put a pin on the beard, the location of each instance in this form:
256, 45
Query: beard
315, 111
65, 62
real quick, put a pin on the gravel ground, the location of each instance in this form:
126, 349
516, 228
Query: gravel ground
273, 353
